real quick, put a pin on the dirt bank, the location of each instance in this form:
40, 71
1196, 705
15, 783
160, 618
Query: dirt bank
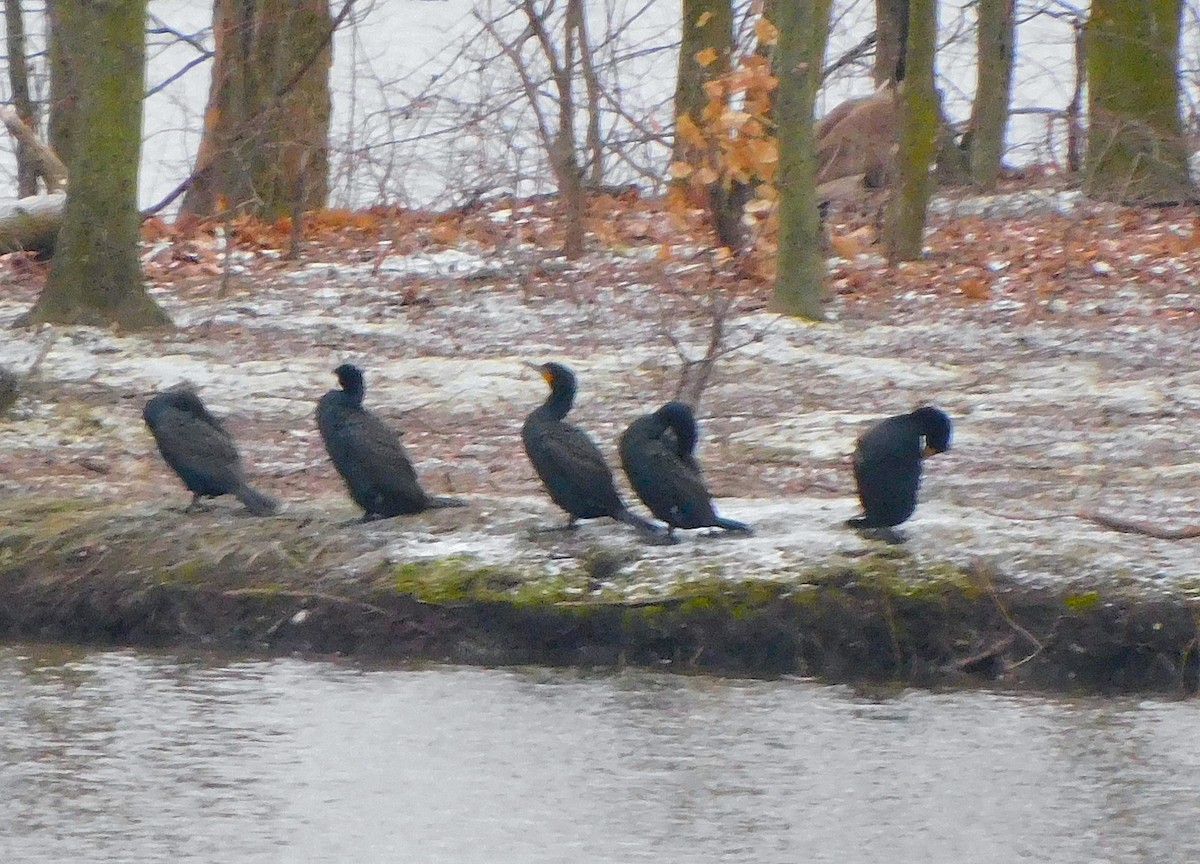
135, 575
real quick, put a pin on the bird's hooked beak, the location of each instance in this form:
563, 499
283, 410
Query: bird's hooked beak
541, 369
929, 451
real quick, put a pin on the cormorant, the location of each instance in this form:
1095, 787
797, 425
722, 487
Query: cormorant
658, 455
569, 463
887, 465
197, 447
368, 454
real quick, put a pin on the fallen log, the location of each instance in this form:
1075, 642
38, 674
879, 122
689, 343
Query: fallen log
31, 223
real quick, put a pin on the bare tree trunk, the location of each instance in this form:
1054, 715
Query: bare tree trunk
891, 36
266, 128
704, 56
569, 176
989, 113
18, 78
800, 269
96, 277
591, 86
63, 88
1075, 133
904, 223
1136, 153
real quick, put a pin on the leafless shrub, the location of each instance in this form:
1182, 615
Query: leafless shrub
710, 317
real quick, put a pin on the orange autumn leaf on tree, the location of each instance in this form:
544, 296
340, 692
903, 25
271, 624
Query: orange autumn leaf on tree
766, 32
687, 129
681, 169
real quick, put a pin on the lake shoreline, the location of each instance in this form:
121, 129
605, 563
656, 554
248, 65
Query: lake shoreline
89, 572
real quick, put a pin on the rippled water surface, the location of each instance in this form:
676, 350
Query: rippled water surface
120, 756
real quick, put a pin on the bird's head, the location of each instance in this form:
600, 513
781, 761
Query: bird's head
935, 427
556, 375
350, 378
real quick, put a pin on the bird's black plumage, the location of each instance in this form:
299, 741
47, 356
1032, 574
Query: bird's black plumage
197, 447
368, 454
658, 455
887, 464
568, 462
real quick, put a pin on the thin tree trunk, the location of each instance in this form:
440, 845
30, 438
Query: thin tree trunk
18, 78
1075, 133
904, 224
989, 113
1136, 152
63, 89
800, 268
96, 277
891, 36
591, 86
569, 175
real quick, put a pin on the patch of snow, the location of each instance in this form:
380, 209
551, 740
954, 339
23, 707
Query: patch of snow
1029, 202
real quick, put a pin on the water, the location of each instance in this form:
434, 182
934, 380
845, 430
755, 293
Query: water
120, 756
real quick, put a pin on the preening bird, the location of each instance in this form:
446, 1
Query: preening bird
368, 454
658, 455
569, 463
197, 447
887, 464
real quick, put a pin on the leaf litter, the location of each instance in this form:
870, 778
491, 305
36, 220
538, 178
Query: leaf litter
1061, 336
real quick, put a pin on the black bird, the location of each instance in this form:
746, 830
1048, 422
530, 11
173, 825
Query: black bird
197, 447
658, 455
568, 461
368, 454
887, 465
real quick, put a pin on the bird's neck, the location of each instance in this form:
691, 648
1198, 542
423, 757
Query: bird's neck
558, 403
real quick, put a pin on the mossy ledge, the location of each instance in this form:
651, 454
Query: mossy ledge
85, 572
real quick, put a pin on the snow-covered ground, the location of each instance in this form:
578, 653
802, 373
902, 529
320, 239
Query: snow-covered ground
1088, 406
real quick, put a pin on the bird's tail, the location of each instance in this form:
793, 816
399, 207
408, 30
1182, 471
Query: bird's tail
859, 522
734, 525
436, 502
639, 522
258, 503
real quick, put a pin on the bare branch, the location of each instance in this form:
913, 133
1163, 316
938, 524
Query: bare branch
50, 166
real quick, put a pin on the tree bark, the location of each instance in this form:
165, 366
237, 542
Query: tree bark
891, 36
18, 78
1136, 153
63, 89
265, 143
800, 269
904, 223
570, 178
96, 276
1076, 138
989, 112
707, 35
